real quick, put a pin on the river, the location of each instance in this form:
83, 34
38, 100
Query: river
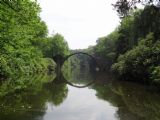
45, 97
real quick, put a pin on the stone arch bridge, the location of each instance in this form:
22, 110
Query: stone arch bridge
59, 59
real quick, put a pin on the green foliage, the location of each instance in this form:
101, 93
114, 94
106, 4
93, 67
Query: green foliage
134, 46
137, 63
57, 46
146, 21
105, 50
155, 74
23, 38
124, 7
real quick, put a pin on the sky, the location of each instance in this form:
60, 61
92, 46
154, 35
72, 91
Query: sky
81, 22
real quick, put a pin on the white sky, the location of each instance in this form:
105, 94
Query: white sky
81, 22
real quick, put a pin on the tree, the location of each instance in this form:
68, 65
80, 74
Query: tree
57, 46
124, 6
133, 49
105, 50
141, 62
22, 34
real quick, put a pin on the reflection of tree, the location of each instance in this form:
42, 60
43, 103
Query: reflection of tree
139, 101
57, 92
132, 100
28, 103
21, 83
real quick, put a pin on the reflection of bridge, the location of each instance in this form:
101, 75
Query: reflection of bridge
61, 79
59, 59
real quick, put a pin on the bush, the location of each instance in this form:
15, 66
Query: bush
136, 64
155, 74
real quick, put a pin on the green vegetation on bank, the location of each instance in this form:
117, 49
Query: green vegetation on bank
133, 49
24, 43
56, 46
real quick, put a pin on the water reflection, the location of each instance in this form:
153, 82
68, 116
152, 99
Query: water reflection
45, 97
81, 104
29, 103
77, 82
134, 101
79, 71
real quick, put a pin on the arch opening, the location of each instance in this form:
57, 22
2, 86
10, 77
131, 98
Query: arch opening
79, 69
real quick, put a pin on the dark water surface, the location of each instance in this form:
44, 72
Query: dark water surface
45, 97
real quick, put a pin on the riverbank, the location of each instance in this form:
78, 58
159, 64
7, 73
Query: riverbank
132, 50
44, 65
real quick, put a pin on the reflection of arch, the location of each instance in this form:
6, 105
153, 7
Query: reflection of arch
69, 83
60, 79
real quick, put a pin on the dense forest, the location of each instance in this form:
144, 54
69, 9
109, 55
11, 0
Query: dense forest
132, 50
25, 46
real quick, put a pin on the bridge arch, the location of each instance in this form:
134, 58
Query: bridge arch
76, 53
59, 59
